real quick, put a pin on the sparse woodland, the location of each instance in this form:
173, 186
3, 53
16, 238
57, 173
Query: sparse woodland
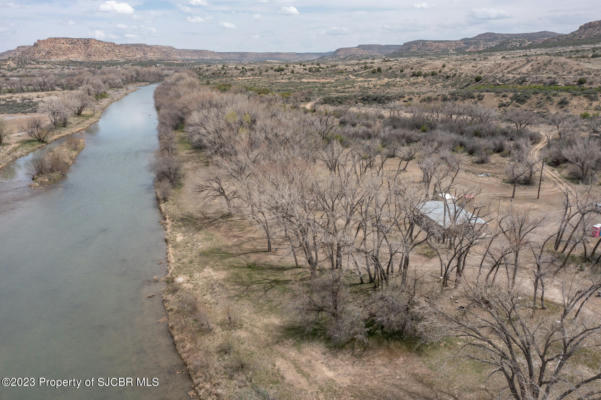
331, 189
52, 101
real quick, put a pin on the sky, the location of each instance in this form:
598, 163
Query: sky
282, 25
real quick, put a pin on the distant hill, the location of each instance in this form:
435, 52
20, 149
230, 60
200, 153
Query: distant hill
92, 50
76, 49
484, 41
587, 34
436, 47
365, 50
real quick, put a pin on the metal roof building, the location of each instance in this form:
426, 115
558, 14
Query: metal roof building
447, 214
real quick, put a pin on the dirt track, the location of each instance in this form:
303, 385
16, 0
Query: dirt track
550, 172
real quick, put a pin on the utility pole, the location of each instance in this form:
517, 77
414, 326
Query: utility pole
540, 180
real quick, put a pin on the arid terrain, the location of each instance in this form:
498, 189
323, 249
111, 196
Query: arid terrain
417, 221
253, 323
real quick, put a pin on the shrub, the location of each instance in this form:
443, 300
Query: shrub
163, 190
553, 153
79, 102
581, 81
326, 306
396, 313
58, 111
36, 130
223, 87
50, 162
167, 168
478, 78
520, 98
482, 156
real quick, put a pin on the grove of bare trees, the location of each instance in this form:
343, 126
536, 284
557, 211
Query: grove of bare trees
332, 188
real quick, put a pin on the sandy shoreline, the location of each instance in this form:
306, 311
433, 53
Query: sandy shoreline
166, 223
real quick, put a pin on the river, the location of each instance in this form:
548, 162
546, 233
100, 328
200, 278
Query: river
79, 266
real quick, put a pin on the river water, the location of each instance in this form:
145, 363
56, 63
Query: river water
79, 298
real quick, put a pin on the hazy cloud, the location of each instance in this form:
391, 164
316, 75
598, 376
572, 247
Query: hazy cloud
98, 34
422, 4
228, 25
195, 20
489, 13
198, 2
116, 7
336, 31
290, 10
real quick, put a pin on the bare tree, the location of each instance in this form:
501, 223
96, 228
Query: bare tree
375, 238
481, 115
292, 204
594, 124
521, 168
494, 258
325, 126
562, 122
255, 204
57, 110
544, 264
405, 154
520, 119
217, 187
534, 355
585, 156
168, 168
79, 102
429, 164
37, 131
338, 199
517, 228
332, 155
444, 176
573, 226
462, 230
3, 133
94, 86
406, 222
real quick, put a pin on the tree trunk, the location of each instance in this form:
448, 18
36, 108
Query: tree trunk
540, 180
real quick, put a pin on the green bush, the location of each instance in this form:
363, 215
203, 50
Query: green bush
520, 98
223, 87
